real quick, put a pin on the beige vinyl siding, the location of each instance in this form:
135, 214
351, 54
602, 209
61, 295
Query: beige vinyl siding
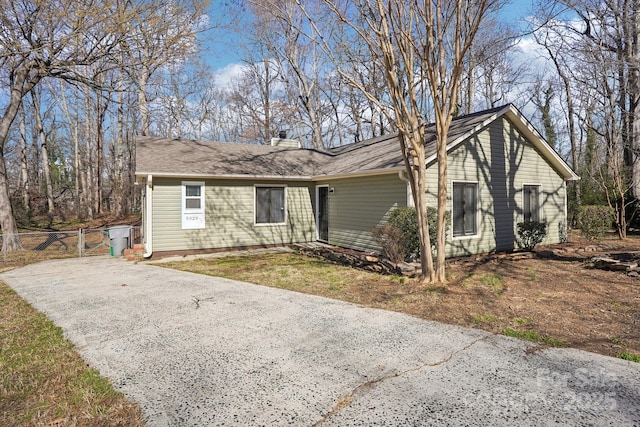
501, 170
229, 216
359, 204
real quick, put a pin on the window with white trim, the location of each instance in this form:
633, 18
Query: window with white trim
531, 203
193, 205
270, 207
465, 209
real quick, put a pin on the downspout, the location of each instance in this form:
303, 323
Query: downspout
402, 174
148, 225
566, 214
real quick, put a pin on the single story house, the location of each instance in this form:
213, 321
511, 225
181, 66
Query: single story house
206, 196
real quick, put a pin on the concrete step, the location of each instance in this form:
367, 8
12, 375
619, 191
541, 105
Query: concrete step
134, 254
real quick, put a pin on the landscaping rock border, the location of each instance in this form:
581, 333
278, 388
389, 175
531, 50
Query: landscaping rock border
627, 262
362, 260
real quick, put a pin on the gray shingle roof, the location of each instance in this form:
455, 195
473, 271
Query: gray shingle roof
384, 152
180, 157
171, 157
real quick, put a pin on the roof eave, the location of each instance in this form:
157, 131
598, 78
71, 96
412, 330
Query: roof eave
528, 131
225, 176
539, 142
384, 171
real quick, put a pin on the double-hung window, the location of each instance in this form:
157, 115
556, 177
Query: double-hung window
270, 204
465, 209
193, 205
531, 203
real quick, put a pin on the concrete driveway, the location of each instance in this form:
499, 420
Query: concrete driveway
193, 350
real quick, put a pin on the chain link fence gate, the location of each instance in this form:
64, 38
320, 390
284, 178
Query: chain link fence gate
65, 244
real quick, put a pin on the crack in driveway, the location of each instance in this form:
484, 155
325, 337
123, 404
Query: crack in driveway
347, 399
284, 358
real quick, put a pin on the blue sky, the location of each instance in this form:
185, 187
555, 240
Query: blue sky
220, 53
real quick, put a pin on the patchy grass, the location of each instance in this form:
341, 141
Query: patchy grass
629, 356
530, 335
43, 381
23, 257
617, 341
294, 272
484, 318
522, 321
491, 280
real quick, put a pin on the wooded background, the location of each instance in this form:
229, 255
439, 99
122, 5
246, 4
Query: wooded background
80, 79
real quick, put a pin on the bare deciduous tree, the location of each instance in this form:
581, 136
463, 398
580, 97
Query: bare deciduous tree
40, 39
283, 32
79, 41
597, 60
158, 33
421, 47
491, 71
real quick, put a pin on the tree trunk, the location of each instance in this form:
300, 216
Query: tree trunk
441, 136
471, 87
633, 58
316, 130
44, 148
414, 159
118, 179
20, 85
566, 82
143, 105
100, 110
24, 163
74, 129
73, 126
88, 184
10, 238
267, 101
634, 129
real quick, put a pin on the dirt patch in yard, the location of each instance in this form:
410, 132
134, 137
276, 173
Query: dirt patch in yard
554, 297
562, 300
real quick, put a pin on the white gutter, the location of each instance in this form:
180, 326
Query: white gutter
227, 176
402, 174
148, 213
387, 171
312, 178
566, 214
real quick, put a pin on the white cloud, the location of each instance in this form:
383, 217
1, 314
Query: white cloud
532, 55
224, 77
